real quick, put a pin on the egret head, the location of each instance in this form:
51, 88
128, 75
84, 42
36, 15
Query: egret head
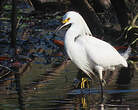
72, 17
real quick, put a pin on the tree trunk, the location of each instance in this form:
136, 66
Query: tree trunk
121, 11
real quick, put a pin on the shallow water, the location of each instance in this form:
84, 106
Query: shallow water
46, 88
49, 81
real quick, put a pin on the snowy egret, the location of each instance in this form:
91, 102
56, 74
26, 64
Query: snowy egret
88, 52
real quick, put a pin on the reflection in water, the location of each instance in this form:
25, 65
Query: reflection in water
123, 86
116, 97
119, 97
55, 90
84, 103
126, 74
19, 90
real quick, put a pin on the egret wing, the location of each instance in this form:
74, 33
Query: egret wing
100, 52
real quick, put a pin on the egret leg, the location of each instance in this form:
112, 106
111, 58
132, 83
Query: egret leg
100, 70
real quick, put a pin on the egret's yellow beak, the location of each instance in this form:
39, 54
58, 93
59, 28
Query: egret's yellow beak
66, 20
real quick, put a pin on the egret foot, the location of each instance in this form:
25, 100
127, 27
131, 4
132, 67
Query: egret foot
84, 83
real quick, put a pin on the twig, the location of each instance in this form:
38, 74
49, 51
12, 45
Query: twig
5, 74
18, 22
10, 70
133, 24
6, 67
29, 2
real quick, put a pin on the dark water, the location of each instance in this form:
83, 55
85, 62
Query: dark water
47, 88
46, 80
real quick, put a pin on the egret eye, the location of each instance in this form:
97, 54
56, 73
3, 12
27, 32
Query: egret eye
66, 20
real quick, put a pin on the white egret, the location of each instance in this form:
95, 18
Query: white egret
88, 52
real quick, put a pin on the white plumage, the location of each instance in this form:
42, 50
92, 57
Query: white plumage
86, 51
